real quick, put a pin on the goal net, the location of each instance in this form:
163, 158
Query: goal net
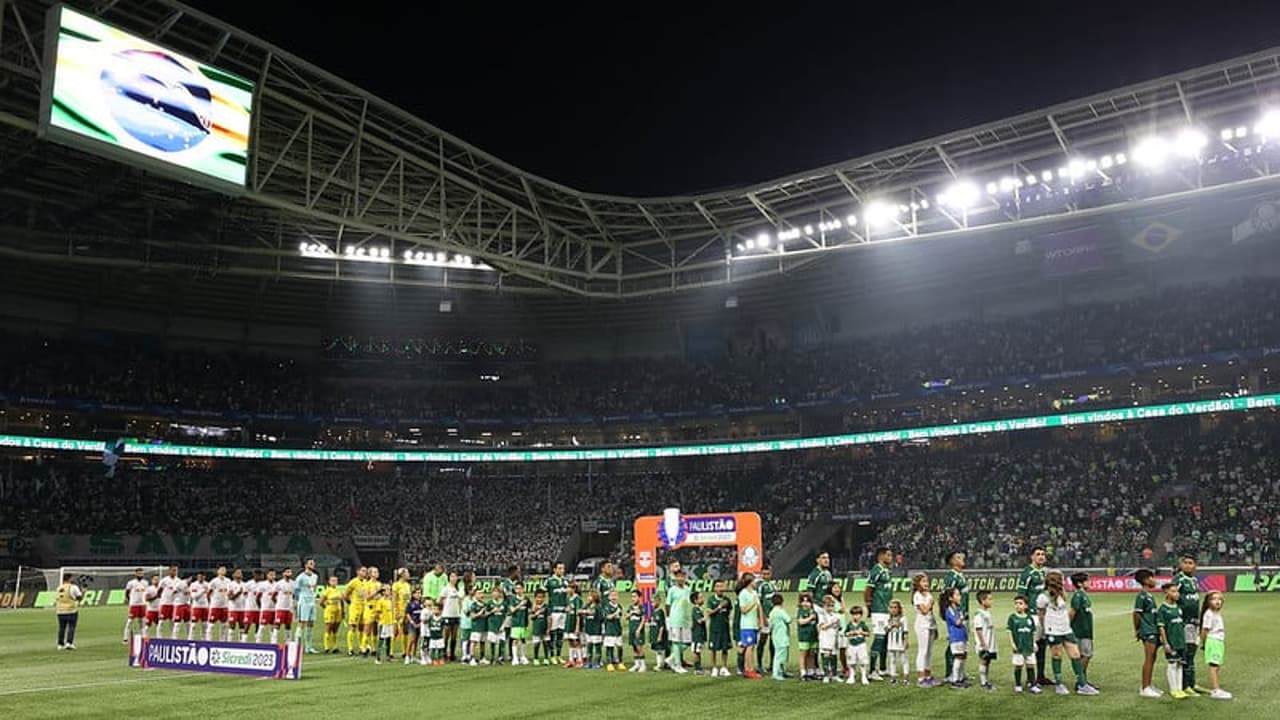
96, 577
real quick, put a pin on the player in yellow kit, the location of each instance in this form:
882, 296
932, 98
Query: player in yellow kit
400, 594
331, 600
372, 587
355, 598
384, 619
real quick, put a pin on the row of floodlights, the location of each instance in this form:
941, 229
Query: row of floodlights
965, 195
383, 255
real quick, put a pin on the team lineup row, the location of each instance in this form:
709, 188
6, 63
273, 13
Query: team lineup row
428, 623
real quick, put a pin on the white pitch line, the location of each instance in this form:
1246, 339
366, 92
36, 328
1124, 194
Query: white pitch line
25, 691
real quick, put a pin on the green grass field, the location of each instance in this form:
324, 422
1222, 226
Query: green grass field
37, 681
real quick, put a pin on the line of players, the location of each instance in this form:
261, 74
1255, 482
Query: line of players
230, 608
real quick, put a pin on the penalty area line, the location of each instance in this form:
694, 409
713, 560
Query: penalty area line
127, 681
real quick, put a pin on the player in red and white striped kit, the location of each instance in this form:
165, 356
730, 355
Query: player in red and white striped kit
181, 608
284, 605
236, 595
219, 604
154, 594
136, 590
268, 602
167, 584
251, 617
198, 591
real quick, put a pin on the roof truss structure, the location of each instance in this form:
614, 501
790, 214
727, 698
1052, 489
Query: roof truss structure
333, 165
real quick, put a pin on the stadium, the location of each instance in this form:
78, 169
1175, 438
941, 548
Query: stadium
270, 344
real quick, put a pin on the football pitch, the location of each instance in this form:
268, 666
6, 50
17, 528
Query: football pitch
38, 681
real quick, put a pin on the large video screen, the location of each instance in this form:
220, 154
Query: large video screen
124, 93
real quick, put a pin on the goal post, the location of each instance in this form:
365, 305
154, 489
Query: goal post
97, 577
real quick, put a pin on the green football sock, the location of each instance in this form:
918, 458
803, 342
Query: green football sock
1057, 670
1078, 668
1017, 676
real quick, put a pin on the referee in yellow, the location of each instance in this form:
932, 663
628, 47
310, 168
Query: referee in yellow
67, 605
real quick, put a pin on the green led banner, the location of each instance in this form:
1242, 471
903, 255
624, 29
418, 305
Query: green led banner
1142, 412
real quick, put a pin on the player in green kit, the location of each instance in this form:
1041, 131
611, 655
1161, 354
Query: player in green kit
1173, 638
699, 632
1030, 585
635, 632
538, 632
807, 637
877, 596
955, 579
719, 607
433, 631
604, 584
613, 633
857, 631
1189, 601
1145, 630
658, 635
573, 623
519, 621
593, 628
508, 587
557, 589
496, 622
766, 589
820, 580
1082, 618
1022, 636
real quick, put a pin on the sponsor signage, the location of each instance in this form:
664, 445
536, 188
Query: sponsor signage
711, 530
281, 662
1259, 582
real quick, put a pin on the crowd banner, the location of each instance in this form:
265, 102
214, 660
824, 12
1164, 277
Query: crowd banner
145, 549
1039, 422
280, 662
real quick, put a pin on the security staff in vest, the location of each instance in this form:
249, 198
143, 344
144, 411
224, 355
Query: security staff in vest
67, 604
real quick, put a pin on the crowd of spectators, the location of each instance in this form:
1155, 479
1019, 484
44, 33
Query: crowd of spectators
1094, 496
1176, 322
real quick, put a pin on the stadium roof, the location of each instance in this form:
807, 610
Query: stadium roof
334, 170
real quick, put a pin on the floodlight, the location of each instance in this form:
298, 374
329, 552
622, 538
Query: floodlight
762, 240
351, 250
751, 244
1269, 125
1189, 142
1241, 131
1121, 159
1151, 151
742, 248
1046, 176
385, 252
1031, 179
924, 203
1226, 134
408, 254
992, 188
878, 213
808, 230
1105, 162
851, 220
1006, 184
962, 195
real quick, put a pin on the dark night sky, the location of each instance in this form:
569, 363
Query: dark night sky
664, 98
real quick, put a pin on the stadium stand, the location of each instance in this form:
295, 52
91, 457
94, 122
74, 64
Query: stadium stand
259, 389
